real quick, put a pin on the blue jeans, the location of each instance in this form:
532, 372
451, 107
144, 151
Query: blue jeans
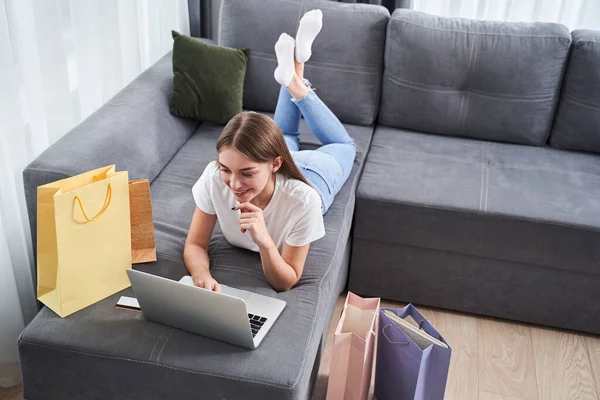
327, 167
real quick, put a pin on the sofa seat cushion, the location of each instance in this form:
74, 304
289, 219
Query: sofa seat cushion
525, 204
141, 359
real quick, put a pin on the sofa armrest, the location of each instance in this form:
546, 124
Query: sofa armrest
134, 130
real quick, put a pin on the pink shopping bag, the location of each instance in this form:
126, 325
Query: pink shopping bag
353, 349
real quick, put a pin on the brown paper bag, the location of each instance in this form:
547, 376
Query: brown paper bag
143, 247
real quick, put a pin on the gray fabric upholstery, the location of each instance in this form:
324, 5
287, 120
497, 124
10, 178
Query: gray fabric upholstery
504, 230
479, 285
512, 213
511, 202
480, 79
577, 124
346, 63
114, 351
134, 130
391, 5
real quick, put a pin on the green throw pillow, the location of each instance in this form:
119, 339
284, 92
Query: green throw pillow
208, 80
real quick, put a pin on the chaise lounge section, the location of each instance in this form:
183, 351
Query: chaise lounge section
103, 353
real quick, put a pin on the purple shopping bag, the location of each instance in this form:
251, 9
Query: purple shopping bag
409, 367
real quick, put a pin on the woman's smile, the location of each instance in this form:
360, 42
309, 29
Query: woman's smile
241, 193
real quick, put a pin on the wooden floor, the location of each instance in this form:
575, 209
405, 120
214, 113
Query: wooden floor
494, 360
500, 360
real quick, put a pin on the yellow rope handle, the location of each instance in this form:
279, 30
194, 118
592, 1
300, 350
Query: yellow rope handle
109, 198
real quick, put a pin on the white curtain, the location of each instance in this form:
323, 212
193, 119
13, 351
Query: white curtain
60, 60
575, 14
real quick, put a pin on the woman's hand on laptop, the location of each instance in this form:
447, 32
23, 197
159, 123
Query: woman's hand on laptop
206, 282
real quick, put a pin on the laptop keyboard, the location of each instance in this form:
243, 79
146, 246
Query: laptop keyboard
256, 322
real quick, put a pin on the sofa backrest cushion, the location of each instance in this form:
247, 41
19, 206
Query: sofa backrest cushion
577, 123
347, 56
481, 79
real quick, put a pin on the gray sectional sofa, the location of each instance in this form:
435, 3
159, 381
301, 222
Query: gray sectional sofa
481, 190
446, 214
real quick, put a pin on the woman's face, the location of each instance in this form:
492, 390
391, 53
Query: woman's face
244, 177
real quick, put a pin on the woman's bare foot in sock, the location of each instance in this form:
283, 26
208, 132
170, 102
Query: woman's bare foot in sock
299, 67
297, 88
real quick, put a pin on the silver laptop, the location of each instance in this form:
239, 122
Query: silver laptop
233, 316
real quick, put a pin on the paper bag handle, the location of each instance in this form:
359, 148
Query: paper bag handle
106, 204
387, 337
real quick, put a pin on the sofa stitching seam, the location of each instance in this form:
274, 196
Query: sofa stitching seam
489, 163
155, 344
482, 176
542, 169
312, 65
164, 344
211, 252
441, 89
395, 78
487, 188
272, 57
217, 252
542, 98
571, 99
167, 256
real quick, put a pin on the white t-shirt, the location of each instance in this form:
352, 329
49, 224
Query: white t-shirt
293, 215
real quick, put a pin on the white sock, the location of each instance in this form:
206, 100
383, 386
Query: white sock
284, 50
310, 26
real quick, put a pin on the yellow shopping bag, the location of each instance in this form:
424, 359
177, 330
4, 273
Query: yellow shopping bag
84, 239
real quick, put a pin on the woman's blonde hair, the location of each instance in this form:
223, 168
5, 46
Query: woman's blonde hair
259, 138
